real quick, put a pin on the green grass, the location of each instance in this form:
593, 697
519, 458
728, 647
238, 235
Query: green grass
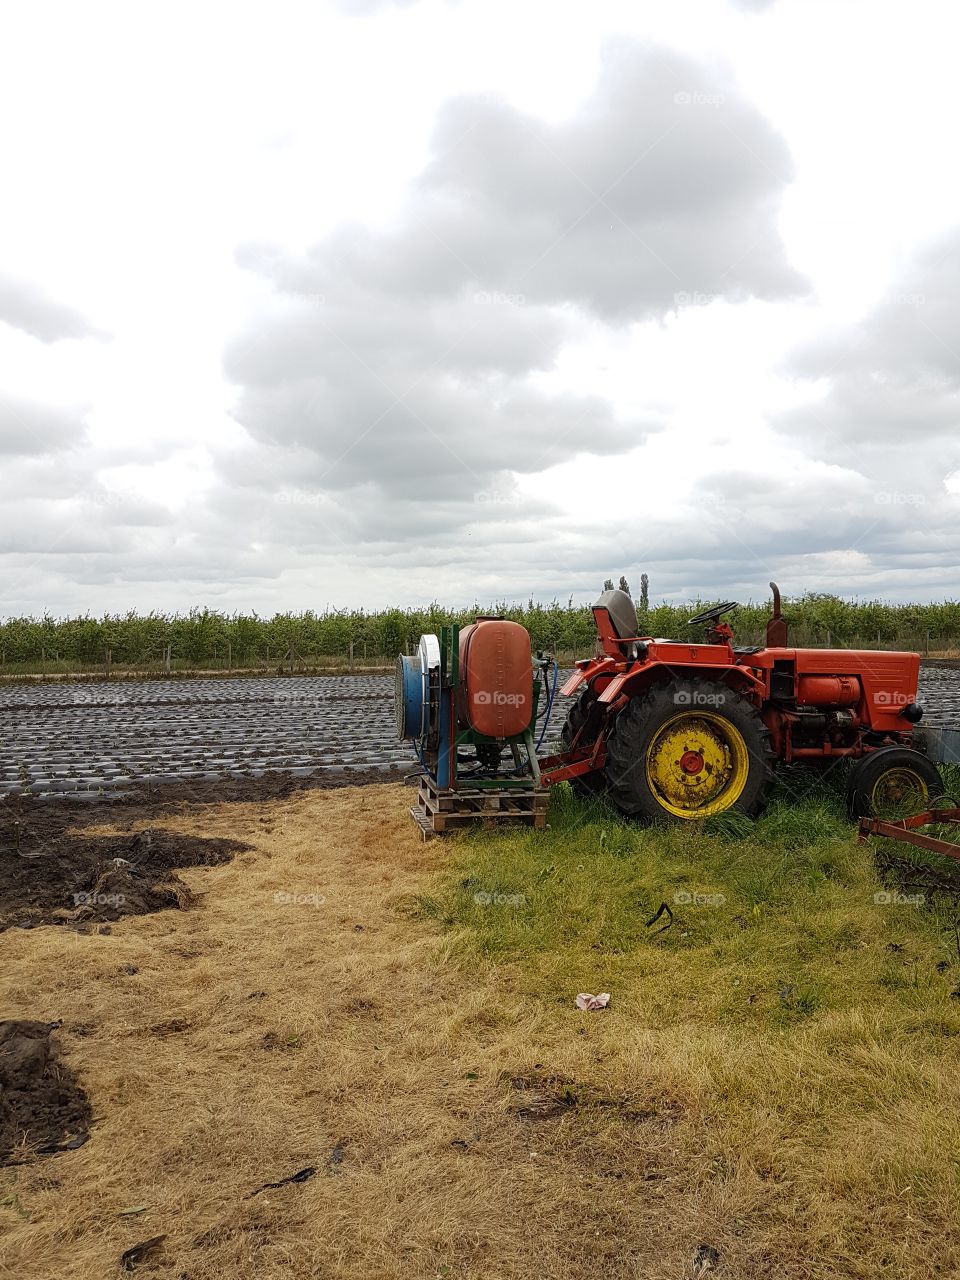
807, 1032
773, 923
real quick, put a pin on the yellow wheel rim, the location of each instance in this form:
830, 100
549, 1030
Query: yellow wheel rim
697, 764
897, 793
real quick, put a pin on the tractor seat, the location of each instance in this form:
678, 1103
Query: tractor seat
757, 648
623, 617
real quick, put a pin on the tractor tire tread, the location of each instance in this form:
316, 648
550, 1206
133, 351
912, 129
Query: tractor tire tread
640, 718
868, 769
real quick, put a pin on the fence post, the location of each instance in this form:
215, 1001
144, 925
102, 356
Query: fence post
166, 659
229, 656
107, 659
351, 656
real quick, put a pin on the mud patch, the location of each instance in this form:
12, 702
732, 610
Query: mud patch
539, 1095
273, 785
54, 874
42, 1108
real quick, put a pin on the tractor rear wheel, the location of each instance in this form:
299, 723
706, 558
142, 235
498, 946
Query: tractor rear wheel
589, 785
892, 783
688, 749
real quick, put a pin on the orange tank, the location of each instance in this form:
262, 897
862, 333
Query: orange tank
828, 691
496, 678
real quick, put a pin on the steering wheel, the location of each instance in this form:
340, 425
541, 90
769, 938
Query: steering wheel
714, 614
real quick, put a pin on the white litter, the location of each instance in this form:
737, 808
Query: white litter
587, 1001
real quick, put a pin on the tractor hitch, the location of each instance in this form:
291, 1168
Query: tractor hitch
905, 831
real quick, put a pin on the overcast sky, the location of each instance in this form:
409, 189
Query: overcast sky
364, 303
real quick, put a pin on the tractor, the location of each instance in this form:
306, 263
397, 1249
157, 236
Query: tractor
679, 730
666, 730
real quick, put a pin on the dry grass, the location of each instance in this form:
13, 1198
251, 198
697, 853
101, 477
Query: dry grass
464, 1119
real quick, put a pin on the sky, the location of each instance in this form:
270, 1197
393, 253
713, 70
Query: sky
374, 302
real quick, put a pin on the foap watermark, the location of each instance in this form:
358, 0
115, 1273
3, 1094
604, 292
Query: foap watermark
893, 898
696, 98
498, 497
685, 299
299, 498
902, 300
698, 698
893, 498
98, 899
686, 898
498, 698
484, 899
287, 898
311, 299
893, 698
89, 698
486, 298
283, 699
108, 497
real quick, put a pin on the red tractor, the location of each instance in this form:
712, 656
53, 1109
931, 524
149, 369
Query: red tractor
676, 730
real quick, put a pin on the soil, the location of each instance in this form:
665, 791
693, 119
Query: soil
271, 786
53, 872
42, 1108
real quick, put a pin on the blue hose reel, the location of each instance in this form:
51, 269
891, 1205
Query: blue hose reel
417, 690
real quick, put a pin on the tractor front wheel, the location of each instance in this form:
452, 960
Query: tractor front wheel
688, 749
891, 783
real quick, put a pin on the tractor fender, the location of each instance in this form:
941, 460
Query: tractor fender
587, 673
632, 684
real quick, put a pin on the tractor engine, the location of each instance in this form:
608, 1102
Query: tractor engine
824, 709
825, 703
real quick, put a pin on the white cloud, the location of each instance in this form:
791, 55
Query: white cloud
374, 337
25, 306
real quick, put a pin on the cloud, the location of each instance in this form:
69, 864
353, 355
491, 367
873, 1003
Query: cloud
668, 181
33, 429
403, 378
892, 381
885, 403
25, 306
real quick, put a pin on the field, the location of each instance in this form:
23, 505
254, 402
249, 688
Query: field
205, 640
103, 740
251, 1026
772, 1092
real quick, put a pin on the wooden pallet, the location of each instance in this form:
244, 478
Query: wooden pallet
438, 811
